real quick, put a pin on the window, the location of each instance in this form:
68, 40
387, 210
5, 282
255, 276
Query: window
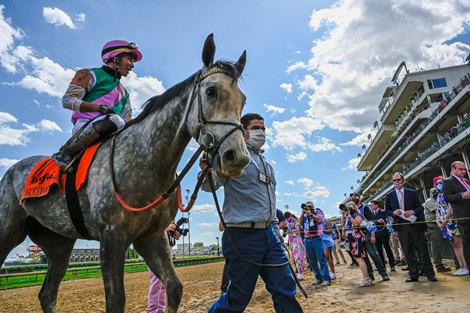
437, 83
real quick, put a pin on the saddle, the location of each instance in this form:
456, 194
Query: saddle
46, 174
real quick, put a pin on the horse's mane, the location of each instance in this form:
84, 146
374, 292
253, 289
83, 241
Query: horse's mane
156, 103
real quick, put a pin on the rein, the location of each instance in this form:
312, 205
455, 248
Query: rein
209, 145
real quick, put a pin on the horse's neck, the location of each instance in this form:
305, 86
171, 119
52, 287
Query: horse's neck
158, 142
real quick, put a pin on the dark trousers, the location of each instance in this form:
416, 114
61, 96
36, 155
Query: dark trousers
437, 241
415, 242
382, 241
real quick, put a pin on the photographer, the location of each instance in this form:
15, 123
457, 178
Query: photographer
352, 220
157, 290
312, 221
369, 232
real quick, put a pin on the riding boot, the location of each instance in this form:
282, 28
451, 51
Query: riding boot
83, 139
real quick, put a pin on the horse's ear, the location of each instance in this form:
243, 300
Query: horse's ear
240, 65
208, 51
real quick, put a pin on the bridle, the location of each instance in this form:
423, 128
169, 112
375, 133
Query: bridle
207, 143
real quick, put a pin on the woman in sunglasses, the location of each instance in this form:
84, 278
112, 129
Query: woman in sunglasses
99, 101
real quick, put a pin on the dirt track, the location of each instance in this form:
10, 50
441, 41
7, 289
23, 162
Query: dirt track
201, 289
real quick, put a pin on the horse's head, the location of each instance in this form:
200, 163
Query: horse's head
216, 106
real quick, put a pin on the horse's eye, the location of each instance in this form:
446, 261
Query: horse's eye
211, 92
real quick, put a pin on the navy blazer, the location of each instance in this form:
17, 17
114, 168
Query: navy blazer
411, 203
452, 190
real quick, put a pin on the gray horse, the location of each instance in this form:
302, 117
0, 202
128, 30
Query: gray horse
146, 157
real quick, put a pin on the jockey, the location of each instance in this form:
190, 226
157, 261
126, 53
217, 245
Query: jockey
99, 101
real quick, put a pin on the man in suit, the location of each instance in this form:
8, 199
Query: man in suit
382, 236
403, 204
456, 189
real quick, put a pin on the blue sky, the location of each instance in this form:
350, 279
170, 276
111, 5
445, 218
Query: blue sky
315, 70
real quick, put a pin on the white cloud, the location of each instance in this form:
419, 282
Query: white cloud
287, 87
273, 108
290, 182
208, 235
203, 208
294, 132
292, 158
208, 225
7, 118
17, 135
324, 145
58, 17
141, 89
8, 35
80, 17
313, 191
353, 163
7, 163
49, 126
361, 139
362, 43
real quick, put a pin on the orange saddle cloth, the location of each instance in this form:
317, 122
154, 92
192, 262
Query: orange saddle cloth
47, 173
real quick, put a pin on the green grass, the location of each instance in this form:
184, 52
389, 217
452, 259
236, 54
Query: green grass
74, 273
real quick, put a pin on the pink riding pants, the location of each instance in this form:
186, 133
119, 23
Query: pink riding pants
157, 295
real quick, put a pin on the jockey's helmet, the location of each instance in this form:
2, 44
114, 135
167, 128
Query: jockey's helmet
116, 47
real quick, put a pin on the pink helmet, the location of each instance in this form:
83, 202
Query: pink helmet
115, 47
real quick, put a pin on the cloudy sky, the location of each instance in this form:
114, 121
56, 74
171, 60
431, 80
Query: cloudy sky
315, 70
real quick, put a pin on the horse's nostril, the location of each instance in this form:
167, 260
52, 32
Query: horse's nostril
230, 156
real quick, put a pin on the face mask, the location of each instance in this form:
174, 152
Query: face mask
257, 138
439, 187
356, 201
399, 186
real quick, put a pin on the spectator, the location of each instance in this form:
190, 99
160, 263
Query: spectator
157, 290
456, 189
369, 233
312, 221
434, 231
296, 244
356, 238
329, 244
249, 238
382, 236
337, 238
405, 208
449, 228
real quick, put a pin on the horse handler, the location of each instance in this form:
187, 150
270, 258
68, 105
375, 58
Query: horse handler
98, 91
249, 240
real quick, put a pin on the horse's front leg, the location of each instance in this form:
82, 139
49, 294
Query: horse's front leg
112, 254
156, 252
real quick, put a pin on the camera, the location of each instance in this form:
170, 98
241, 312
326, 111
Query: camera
180, 222
350, 207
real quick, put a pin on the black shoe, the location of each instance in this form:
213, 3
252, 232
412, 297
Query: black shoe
392, 269
405, 268
385, 277
412, 279
432, 278
371, 276
442, 269
403, 263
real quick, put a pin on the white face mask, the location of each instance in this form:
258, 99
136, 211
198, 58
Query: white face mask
257, 138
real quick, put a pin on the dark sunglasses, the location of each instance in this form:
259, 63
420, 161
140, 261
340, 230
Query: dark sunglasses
397, 180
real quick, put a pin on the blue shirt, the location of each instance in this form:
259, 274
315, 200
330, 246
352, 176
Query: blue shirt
247, 198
